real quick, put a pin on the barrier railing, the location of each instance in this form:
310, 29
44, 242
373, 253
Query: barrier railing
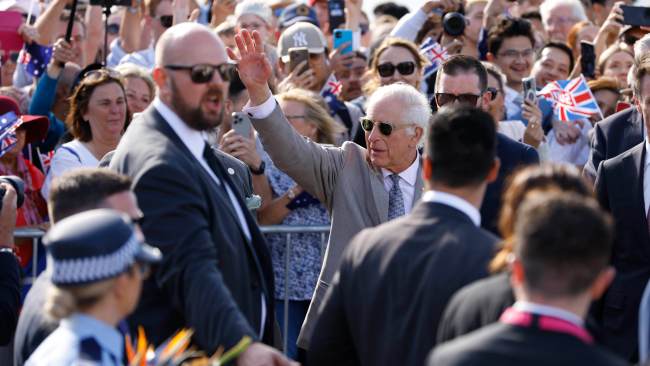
287, 230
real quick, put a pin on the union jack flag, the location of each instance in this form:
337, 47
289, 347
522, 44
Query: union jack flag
9, 122
332, 87
572, 99
435, 53
46, 160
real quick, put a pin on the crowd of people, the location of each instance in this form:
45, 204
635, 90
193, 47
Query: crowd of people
481, 165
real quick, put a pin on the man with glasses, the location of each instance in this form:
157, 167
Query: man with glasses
558, 16
360, 187
463, 80
218, 277
510, 46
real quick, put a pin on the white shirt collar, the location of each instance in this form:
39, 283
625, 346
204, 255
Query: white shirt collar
192, 138
455, 202
410, 175
647, 152
547, 310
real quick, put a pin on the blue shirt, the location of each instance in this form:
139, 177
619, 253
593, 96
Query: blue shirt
80, 339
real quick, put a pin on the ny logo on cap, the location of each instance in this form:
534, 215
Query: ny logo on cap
300, 39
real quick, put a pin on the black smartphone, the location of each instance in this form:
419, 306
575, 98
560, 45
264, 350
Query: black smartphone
336, 14
587, 59
110, 3
296, 56
636, 15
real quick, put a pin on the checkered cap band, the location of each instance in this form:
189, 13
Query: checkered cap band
93, 269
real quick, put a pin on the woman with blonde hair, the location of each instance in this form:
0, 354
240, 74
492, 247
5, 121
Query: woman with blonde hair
482, 302
395, 60
138, 86
97, 264
615, 62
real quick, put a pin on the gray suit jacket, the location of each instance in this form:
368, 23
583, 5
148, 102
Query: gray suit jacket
342, 178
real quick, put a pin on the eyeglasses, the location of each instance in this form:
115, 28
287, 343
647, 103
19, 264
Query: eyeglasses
145, 269
166, 20
388, 69
386, 128
516, 54
561, 20
96, 74
296, 116
203, 73
446, 98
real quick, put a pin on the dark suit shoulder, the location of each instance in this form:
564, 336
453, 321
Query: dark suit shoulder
619, 159
509, 149
476, 305
617, 120
503, 344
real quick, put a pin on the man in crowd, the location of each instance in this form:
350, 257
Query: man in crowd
558, 16
511, 47
74, 192
361, 188
559, 268
623, 188
463, 79
443, 232
304, 34
554, 61
217, 276
351, 76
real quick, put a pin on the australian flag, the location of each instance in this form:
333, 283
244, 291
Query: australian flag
572, 99
435, 53
36, 57
9, 122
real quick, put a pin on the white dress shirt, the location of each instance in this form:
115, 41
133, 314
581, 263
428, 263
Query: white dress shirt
646, 178
455, 202
195, 142
407, 179
546, 310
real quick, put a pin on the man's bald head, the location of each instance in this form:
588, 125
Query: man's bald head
185, 39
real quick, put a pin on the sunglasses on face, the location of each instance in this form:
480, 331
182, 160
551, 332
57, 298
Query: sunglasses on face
166, 20
446, 98
201, 74
386, 128
388, 69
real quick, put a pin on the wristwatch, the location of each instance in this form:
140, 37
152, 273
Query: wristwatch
260, 169
4, 249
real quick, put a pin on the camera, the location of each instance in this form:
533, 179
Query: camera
454, 24
17, 184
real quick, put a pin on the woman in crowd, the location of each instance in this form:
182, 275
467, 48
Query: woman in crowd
98, 117
482, 302
607, 93
583, 31
616, 62
288, 204
395, 60
138, 85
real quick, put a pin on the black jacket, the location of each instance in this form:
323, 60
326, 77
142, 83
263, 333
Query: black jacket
9, 296
394, 281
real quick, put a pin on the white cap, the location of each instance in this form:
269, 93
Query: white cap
255, 7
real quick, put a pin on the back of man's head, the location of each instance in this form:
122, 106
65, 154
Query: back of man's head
461, 146
563, 241
84, 189
463, 64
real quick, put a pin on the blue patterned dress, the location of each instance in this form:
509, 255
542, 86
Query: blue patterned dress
305, 257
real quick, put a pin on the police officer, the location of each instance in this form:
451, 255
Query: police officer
97, 261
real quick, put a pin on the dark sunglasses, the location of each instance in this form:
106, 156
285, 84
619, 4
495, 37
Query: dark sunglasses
446, 98
386, 128
203, 73
388, 69
166, 20
493, 92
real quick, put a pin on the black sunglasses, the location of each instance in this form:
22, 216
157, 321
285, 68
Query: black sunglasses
386, 128
203, 73
166, 20
446, 98
388, 69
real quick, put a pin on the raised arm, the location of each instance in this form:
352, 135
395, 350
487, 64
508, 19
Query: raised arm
46, 24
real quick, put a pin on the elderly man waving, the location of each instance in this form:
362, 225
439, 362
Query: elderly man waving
360, 187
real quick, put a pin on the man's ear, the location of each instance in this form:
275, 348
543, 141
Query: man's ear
517, 274
490, 57
427, 169
418, 135
602, 282
493, 174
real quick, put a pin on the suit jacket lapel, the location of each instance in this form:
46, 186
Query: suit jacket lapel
638, 159
379, 194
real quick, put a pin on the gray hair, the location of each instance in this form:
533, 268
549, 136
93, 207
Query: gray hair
641, 48
413, 104
547, 5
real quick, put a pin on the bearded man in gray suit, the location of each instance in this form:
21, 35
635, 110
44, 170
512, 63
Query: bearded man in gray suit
360, 187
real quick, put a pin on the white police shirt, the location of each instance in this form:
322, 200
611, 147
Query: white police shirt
80, 340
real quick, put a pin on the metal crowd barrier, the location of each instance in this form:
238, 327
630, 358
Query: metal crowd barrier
35, 235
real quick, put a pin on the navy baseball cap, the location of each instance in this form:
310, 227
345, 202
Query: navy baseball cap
297, 13
93, 246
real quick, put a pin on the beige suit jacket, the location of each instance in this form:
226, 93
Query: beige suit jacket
343, 179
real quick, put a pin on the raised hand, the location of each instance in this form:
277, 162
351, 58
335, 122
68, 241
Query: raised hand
253, 66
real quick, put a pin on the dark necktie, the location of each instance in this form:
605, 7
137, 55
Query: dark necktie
395, 199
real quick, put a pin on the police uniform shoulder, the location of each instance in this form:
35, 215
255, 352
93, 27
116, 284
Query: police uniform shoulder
90, 351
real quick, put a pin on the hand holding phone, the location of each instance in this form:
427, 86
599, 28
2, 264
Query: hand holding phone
336, 10
341, 37
636, 15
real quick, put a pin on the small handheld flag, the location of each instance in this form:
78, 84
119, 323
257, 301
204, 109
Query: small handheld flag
435, 53
572, 99
9, 122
